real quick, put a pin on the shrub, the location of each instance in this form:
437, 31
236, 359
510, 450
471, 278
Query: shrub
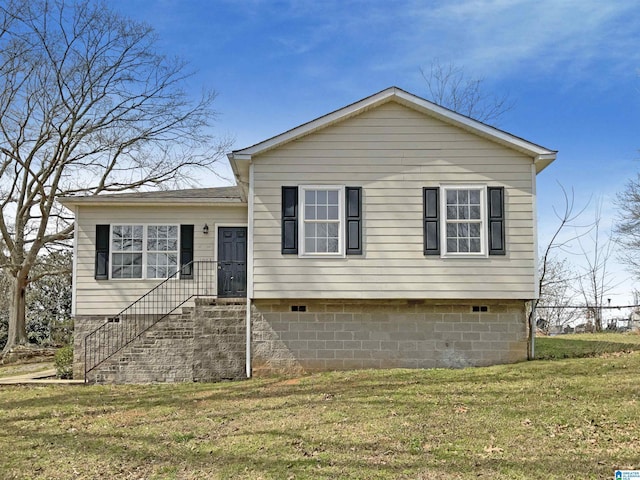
64, 362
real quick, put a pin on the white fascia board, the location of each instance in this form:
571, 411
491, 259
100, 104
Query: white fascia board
317, 124
469, 124
543, 161
240, 165
150, 202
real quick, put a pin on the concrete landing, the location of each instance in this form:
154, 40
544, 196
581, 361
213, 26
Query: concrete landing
43, 377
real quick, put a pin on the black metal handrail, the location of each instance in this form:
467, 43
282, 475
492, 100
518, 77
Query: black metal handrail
195, 279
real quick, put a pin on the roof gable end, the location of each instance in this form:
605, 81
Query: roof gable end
542, 157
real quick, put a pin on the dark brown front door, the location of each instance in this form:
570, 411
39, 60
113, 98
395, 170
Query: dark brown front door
232, 261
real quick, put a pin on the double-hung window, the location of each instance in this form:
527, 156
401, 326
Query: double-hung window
127, 250
139, 251
162, 251
322, 220
464, 214
464, 220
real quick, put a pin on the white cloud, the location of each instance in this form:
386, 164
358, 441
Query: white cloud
496, 37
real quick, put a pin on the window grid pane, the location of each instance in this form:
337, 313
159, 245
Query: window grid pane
127, 238
321, 221
463, 221
158, 260
162, 251
126, 265
321, 237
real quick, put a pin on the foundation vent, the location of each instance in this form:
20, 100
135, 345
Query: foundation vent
479, 308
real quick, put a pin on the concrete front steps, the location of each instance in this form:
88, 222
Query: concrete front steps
205, 342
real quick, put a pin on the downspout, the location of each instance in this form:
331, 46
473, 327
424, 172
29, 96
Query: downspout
249, 267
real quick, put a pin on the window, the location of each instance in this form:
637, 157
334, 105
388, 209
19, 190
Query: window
326, 227
162, 251
126, 245
321, 221
464, 218
144, 252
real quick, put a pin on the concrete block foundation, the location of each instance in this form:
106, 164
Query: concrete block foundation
341, 335
207, 342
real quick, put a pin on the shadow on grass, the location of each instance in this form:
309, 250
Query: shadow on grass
359, 424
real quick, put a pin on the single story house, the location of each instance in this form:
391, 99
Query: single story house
389, 233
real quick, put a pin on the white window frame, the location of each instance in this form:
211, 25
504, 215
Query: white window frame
144, 252
302, 189
483, 221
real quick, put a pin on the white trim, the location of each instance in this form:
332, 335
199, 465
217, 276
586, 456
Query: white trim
144, 249
248, 349
250, 204
74, 263
536, 292
250, 214
100, 201
341, 221
536, 259
483, 253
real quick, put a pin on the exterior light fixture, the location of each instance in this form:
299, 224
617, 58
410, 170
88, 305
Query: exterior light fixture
205, 229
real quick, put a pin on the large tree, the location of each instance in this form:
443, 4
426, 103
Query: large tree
87, 105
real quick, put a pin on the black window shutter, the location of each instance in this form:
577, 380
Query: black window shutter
101, 271
289, 220
186, 251
431, 200
354, 220
496, 221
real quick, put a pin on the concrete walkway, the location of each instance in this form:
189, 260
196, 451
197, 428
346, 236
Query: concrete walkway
43, 377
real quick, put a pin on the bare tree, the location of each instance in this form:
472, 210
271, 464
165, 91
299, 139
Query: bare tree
548, 282
596, 281
557, 295
627, 230
87, 105
450, 87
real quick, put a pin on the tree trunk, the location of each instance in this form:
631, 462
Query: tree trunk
17, 314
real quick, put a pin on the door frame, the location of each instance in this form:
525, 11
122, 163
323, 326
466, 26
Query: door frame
216, 227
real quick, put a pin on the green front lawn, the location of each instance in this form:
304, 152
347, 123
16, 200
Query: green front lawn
585, 345
569, 419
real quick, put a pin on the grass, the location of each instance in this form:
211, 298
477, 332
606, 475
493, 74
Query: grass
585, 345
568, 419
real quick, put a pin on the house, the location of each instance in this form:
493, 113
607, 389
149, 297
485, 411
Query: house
389, 233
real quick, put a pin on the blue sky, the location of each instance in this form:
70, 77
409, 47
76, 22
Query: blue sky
571, 66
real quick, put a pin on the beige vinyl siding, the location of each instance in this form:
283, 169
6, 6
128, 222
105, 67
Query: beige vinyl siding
393, 152
108, 297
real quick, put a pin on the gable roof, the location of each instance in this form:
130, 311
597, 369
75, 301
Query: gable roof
542, 156
191, 196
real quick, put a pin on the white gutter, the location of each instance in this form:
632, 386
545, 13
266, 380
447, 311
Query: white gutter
250, 201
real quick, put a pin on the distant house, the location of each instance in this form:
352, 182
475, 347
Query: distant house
389, 233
